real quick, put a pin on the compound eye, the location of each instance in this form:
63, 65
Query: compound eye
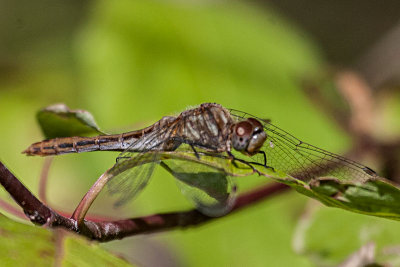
256, 124
244, 128
241, 135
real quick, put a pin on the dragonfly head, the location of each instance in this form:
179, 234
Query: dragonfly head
248, 136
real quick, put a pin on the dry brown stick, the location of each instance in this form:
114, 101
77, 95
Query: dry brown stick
103, 231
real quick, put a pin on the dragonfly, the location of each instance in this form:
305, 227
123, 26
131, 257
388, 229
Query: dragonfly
207, 131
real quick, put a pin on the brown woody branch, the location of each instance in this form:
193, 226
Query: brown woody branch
104, 231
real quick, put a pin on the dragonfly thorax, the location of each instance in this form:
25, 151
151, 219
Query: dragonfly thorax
248, 136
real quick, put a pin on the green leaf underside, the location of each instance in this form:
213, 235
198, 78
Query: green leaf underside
27, 245
208, 188
376, 197
212, 182
59, 121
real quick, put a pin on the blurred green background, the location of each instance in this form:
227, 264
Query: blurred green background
129, 63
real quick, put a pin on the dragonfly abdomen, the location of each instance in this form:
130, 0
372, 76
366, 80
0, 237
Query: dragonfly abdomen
79, 144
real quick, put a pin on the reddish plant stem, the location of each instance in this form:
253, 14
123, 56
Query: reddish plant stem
44, 178
104, 231
11, 209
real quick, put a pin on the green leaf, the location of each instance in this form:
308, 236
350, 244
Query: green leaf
377, 198
80, 252
27, 245
59, 121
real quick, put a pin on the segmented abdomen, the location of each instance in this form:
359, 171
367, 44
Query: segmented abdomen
78, 144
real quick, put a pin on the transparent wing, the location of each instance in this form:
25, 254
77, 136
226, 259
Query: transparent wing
212, 192
130, 176
134, 167
303, 161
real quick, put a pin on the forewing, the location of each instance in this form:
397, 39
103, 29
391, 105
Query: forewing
212, 192
303, 161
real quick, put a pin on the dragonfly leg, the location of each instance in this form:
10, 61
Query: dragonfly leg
180, 141
265, 161
195, 151
265, 157
232, 158
119, 158
248, 164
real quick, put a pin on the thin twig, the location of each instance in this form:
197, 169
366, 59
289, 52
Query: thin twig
11, 209
44, 179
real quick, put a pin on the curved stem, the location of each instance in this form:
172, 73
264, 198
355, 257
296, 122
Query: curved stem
87, 201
